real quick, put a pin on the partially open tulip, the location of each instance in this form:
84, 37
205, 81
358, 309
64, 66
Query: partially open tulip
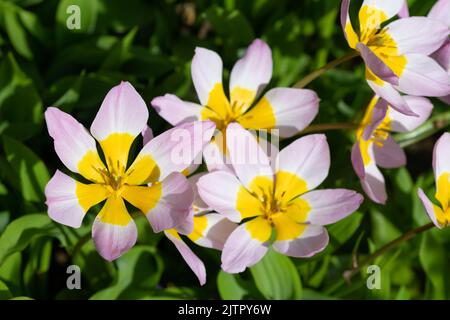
397, 55
440, 214
375, 146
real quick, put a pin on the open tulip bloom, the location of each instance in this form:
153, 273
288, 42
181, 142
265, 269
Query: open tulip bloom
274, 201
397, 56
152, 183
440, 214
375, 146
289, 110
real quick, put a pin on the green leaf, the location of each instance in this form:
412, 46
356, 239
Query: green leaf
232, 25
344, 229
20, 232
35, 275
229, 287
16, 32
32, 172
434, 260
10, 272
20, 103
4, 291
383, 230
139, 268
275, 277
119, 53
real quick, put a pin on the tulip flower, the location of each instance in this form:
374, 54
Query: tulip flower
152, 183
440, 215
397, 55
274, 201
375, 146
440, 11
289, 110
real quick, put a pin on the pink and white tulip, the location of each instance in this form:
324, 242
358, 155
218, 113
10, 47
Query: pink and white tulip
275, 197
375, 146
289, 110
152, 183
397, 56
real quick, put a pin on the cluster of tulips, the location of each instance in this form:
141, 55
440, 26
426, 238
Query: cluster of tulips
249, 198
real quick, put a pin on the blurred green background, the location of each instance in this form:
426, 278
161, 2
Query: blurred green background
150, 44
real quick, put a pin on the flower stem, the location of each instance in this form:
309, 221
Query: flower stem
394, 243
330, 65
329, 126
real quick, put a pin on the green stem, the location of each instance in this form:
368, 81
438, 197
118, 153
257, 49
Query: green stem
79, 245
329, 126
394, 243
330, 65
433, 125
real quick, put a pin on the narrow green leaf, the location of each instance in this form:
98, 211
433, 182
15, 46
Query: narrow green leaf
20, 232
229, 287
32, 172
276, 277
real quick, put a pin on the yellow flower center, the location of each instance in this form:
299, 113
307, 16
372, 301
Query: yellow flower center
113, 181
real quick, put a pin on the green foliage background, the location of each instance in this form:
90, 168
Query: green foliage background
150, 44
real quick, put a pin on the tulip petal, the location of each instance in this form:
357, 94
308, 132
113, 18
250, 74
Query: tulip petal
176, 111
206, 70
214, 157
386, 91
402, 123
165, 204
198, 201
441, 11
442, 56
390, 154
186, 226
211, 230
377, 115
247, 157
376, 65
74, 145
373, 184
418, 35
357, 160
171, 151
190, 257
147, 135
404, 11
250, 75
289, 110
430, 208
441, 156
330, 206
302, 165
121, 118
373, 13
224, 193
69, 200
423, 76
311, 240
346, 24
246, 245
113, 231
